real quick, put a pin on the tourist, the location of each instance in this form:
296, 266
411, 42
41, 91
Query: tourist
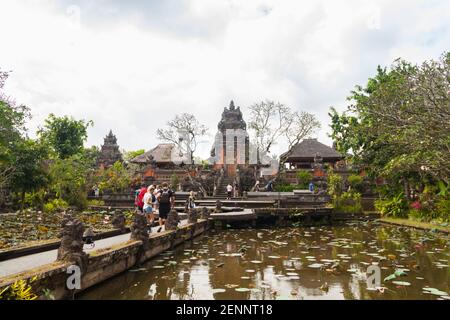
191, 200
229, 191
311, 187
257, 186
270, 186
96, 191
139, 198
149, 200
166, 200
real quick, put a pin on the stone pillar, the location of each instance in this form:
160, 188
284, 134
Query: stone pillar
218, 208
193, 216
118, 221
172, 220
205, 213
139, 229
71, 247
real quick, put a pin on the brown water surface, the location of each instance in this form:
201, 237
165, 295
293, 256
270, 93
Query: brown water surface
328, 262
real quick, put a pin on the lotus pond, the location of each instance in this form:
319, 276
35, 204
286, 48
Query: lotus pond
27, 227
328, 262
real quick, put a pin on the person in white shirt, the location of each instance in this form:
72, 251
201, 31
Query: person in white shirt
229, 191
149, 200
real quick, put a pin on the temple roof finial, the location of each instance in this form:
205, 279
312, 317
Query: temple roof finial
231, 105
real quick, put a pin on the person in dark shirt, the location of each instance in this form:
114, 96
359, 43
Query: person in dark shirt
166, 200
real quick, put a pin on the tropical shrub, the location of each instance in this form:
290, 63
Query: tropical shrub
174, 181
96, 202
334, 184
396, 207
443, 208
304, 178
355, 182
55, 205
348, 202
19, 290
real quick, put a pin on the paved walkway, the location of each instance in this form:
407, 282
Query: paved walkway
17, 265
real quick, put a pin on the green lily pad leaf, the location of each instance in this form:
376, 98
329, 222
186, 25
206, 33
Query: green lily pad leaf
400, 272
256, 261
390, 277
158, 267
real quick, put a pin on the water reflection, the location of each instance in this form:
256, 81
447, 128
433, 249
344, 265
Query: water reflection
291, 263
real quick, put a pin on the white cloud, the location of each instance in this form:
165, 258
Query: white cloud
131, 66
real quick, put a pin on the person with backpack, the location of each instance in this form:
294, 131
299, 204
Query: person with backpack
166, 200
139, 199
149, 199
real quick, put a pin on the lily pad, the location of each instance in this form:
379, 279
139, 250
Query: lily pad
401, 283
218, 290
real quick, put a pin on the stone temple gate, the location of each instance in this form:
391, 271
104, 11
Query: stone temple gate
231, 144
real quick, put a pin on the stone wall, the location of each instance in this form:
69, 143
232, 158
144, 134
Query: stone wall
104, 263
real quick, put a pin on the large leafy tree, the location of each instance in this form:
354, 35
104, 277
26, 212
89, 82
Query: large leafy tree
71, 178
116, 178
65, 135
30, 173
12, 131
398, 125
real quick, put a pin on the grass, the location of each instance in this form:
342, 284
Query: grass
415, 224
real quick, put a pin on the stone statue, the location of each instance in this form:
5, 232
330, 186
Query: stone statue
139, 229
193, 216
172, 220
218, 208
71, 235
318, 161
118, 221
205, 213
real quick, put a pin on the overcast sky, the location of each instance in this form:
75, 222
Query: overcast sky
132, 65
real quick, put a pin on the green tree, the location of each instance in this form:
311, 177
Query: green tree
304, 177
116, 178
398, 125
12, 129
65, 135
70, 178
129, 155
30, 172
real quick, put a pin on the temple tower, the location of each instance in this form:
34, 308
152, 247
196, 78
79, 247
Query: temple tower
231, 147
109, 152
